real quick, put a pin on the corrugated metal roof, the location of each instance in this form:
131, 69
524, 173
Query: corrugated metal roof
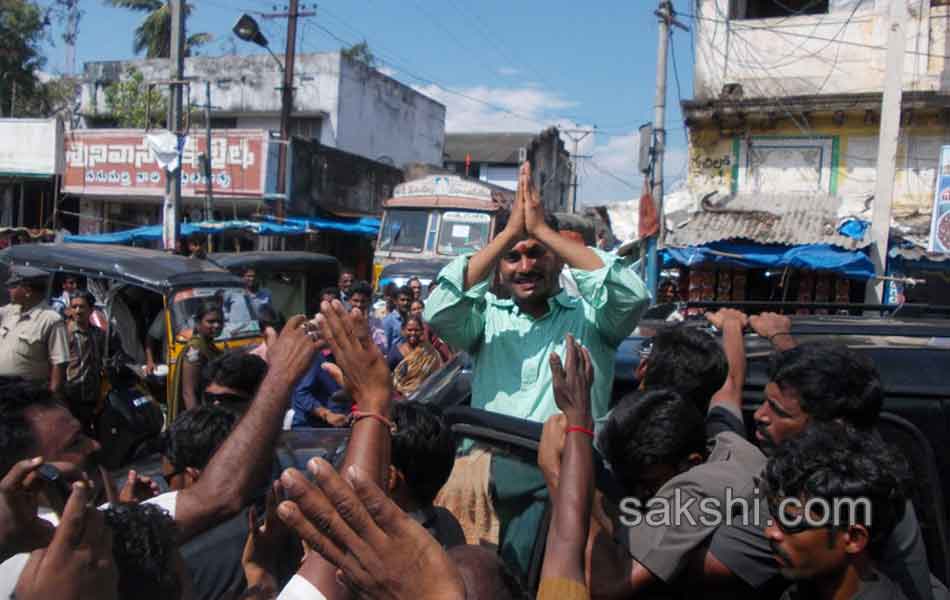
789, 219
486, 147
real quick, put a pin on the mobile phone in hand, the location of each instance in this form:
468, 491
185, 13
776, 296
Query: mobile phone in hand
57, 488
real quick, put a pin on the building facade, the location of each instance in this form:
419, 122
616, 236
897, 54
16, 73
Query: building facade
338, 102
783, 141
495, 158
31, 166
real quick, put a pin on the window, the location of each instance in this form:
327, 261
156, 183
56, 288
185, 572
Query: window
765, 9
403, 230
223, 122
463, 232
306, 128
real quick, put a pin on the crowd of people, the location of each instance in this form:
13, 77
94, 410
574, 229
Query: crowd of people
689, 504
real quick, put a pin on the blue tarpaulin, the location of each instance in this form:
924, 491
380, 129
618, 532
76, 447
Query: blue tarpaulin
367, 226
823, 257
151, 233
290, 226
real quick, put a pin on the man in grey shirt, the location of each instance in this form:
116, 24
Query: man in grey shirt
812, 383
679, 492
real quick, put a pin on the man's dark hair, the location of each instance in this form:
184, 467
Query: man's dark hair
238, 370
403, 291
16, 435
349, 270
688, 360
85, 295
413, 278
145, 547
832, 382
651, 428
362, 288
423, 449
195, 435
330, 291
833, 461
501, 221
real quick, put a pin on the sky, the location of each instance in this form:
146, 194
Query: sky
496, 65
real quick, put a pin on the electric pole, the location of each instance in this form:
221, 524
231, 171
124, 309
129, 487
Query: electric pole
666, 18
576, 136
887, 150
287, 100
209, 196
171, 209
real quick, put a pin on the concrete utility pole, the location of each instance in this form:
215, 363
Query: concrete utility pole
209, 197
666, 18
171, 209
576, 136
287, 99
888, 138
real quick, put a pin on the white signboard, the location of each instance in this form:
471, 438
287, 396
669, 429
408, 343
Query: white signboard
31, 147
442, 185
466, 217
940, 221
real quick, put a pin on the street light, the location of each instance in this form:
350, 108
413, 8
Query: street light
248, 30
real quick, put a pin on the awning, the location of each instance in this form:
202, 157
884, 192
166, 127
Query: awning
820, 257
152, 233
782, 219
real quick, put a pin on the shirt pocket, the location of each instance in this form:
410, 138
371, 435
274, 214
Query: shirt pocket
29, 345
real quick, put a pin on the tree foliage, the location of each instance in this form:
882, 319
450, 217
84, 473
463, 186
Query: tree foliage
22, 27
154, 35
361, 53
130, 102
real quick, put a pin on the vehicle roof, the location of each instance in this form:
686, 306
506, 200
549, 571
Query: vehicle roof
296, 261
459, 202
152, 269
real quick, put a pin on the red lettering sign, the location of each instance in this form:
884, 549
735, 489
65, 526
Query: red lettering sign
117, 162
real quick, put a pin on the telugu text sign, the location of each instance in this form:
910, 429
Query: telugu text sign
119, 163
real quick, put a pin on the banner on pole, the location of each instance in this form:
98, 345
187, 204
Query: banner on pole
940, 221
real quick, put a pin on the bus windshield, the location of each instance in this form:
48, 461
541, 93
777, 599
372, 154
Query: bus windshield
463, 232
403, 230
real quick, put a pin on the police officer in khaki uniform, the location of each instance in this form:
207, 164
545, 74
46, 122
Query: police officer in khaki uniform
32, 336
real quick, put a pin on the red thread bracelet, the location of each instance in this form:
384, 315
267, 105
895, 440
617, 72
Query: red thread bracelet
580, 429
357, 415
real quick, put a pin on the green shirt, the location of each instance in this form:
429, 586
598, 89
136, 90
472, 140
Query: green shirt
510, 349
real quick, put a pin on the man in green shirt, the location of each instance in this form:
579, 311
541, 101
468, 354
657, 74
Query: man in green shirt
511, 338
511, 332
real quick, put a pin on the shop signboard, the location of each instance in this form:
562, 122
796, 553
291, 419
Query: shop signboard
118, 162
31, 147
940, 221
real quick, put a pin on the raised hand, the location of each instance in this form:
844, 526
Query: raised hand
722, 316
21, 530
270, 547
380, 551
78, 562
360, 368
572, 382
516, 224
293, 351
138, 488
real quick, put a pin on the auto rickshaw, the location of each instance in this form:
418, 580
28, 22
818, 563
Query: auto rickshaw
139, 290
294, 279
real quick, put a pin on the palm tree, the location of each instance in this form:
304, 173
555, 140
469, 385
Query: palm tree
154, 35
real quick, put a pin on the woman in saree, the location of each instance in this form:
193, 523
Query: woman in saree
414, 359
209, 319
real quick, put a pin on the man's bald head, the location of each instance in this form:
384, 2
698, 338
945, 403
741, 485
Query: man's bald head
485, 575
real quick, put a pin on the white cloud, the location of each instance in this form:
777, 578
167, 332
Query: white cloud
508, 71
613, 176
